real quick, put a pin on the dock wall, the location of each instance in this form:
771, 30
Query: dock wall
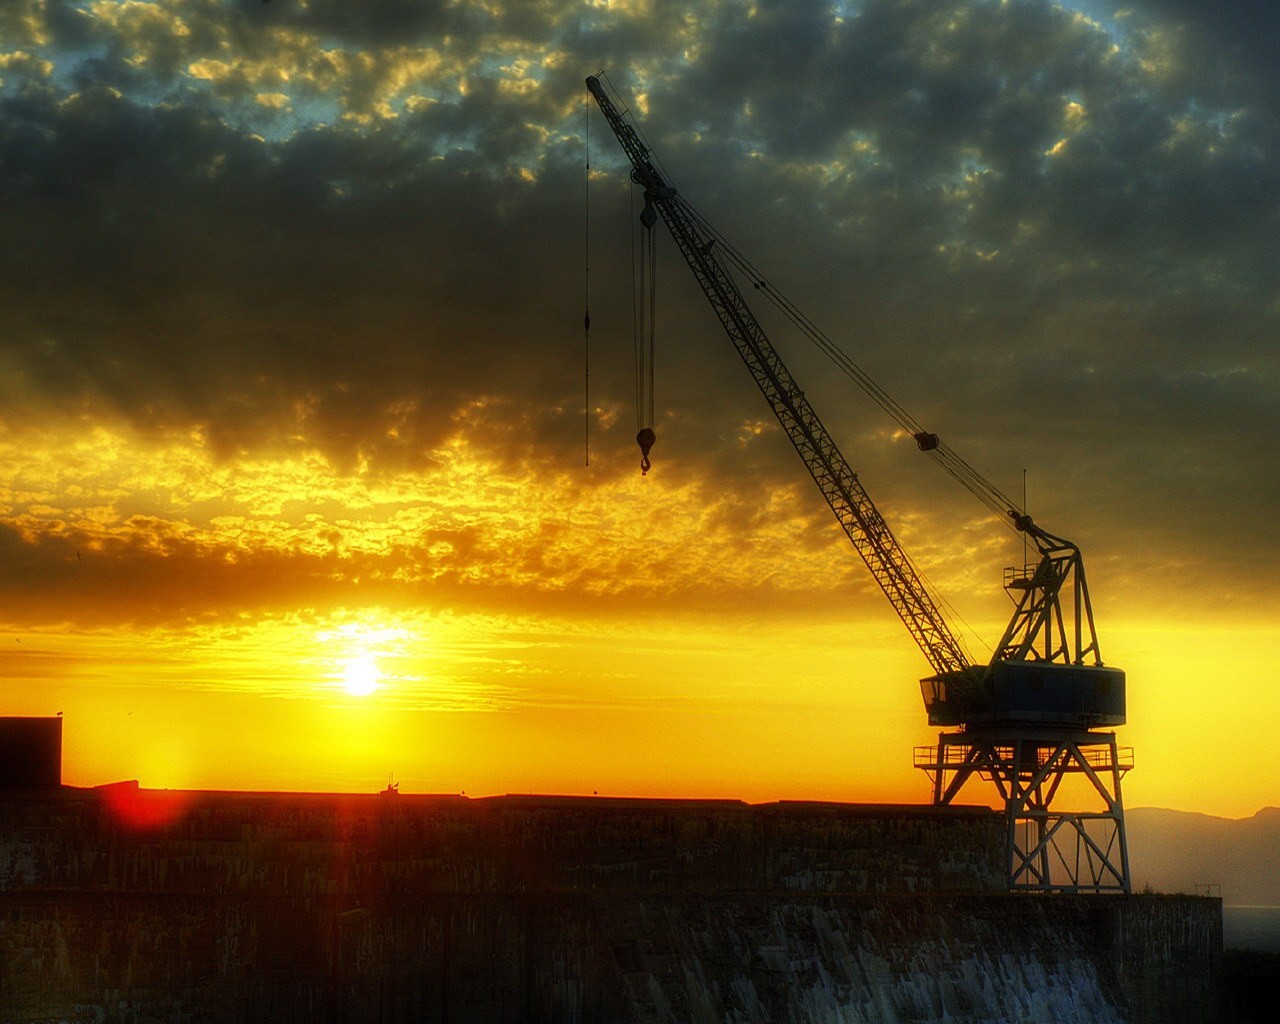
133, 906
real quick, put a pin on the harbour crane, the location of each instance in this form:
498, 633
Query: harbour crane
1033, 716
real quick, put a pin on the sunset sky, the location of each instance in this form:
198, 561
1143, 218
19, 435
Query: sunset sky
293, 492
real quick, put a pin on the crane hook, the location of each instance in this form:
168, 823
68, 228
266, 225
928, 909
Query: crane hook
645, 440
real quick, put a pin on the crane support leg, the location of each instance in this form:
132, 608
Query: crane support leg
1060, 839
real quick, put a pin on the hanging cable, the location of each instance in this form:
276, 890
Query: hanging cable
586, 300
643, 319
646, 336
652, 269
637, 324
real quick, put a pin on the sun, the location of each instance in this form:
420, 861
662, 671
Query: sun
361, 675
358, 653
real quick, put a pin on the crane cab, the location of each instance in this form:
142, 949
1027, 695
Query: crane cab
1029, 693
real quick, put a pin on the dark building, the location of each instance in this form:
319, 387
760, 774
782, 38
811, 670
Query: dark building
30, 754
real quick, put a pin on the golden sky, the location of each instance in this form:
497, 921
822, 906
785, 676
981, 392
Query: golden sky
291, 384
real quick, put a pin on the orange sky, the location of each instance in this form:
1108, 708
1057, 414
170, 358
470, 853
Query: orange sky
291, 385
665, 652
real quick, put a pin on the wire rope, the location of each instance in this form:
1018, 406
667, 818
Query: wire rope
943, 454
586, 297
650, 353
637, 328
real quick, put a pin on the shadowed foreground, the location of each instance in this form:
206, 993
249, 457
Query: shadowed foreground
120, 904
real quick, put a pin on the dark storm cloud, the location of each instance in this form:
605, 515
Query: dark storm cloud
1048, 236
179, 268
1226, 46
960, 107
303, 225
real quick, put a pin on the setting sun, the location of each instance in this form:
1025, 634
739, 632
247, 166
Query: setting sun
361, 675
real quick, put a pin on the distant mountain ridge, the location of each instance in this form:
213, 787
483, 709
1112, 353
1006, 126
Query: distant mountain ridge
1176, 851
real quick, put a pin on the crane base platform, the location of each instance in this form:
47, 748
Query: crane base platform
1058, 841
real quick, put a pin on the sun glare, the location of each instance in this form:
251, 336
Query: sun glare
361, 675
362, 650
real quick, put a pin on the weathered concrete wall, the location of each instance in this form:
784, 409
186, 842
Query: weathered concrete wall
309, 844
308, 908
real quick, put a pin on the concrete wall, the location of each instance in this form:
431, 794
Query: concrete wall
245, 908
307, 844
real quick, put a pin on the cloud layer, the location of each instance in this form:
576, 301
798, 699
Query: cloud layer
315, 270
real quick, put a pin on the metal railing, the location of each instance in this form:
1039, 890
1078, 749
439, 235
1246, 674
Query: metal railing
956, 755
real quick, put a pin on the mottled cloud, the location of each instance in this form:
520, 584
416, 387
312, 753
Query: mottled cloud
113, 528
310, 248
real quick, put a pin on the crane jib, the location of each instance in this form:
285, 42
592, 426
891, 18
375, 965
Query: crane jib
874, 541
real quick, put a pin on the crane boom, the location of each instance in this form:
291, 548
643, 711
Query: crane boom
857, 514
1047, 667
1028, 719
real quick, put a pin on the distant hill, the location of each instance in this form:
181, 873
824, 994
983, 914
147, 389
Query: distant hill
1174, 851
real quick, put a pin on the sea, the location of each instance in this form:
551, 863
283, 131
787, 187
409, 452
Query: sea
1256, 928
